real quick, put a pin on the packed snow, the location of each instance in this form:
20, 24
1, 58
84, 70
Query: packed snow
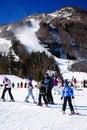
19, 115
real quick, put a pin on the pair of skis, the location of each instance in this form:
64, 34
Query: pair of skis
76, 113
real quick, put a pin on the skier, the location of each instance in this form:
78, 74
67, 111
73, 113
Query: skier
67, 94
30, 92
49, 85
7, 87
75, 83
42, 93
56, 84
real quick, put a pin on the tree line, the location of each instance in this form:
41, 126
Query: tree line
33, 64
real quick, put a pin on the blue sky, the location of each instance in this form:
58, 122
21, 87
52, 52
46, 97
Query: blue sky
14, 10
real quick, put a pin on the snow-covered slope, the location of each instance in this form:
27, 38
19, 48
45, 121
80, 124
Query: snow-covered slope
27, 116
4, 46
66, 12
28, 37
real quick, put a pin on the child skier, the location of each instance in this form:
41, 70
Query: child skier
7, 87
67, 94
42, 93
30, 92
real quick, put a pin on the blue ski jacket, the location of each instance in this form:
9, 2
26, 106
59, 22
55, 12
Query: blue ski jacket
67, 91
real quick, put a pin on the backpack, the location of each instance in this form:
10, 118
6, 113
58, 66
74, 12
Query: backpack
42, 89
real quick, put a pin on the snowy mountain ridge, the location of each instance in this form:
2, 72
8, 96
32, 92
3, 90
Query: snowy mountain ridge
66, 12
49, 32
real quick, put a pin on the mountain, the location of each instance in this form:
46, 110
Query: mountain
61, 33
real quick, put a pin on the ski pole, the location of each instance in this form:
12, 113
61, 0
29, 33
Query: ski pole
36, 94
6, 95
75, 106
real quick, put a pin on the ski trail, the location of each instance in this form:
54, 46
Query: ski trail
27, 116
22, 116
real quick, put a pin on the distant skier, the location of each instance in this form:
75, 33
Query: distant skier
7, 87
67, 94
30, 91
74, 81
57, 84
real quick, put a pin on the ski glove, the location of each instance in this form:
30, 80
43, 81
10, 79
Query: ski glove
72, 97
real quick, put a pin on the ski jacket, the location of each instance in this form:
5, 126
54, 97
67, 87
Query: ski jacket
55, 82
42, 89
75, 81
30, 86
7, 83
49, 82
67, 92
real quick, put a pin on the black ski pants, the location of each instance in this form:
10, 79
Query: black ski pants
67, 99
49, 96
9, 91
44, 98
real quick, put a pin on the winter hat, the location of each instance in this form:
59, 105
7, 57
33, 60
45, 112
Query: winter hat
46, 75
5, 79
30, 78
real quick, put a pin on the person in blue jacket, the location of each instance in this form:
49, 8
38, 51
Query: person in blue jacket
67, 94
